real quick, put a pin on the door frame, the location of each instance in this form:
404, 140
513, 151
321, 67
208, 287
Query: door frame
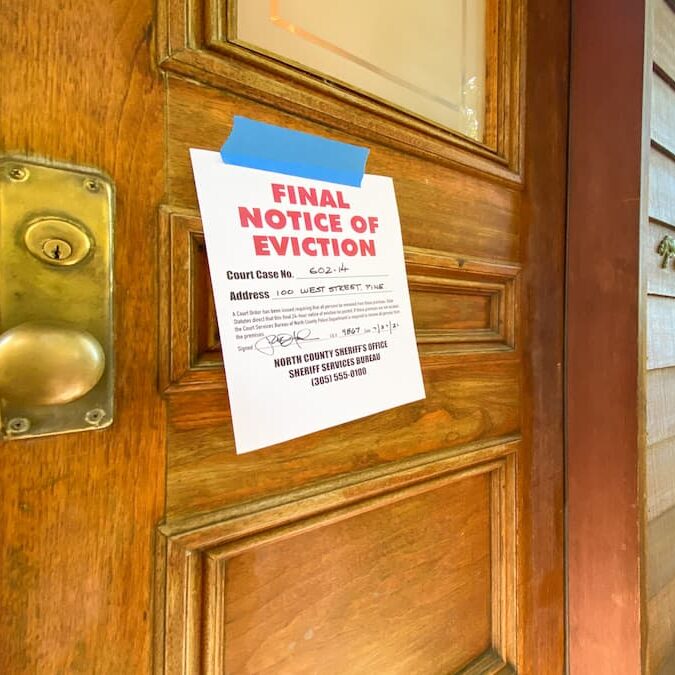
603, 342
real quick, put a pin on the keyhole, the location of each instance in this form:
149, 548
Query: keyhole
57, 249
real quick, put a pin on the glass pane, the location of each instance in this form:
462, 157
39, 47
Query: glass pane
426, 57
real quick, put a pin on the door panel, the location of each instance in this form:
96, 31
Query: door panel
351, 580
424, 539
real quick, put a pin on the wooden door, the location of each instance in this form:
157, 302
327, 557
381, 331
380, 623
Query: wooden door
425, 539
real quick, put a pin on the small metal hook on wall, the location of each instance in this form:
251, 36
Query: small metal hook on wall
667, 250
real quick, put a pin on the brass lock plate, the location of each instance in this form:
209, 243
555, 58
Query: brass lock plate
56, 254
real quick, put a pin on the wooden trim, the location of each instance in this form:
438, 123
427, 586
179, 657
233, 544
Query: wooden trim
159, 603
603, 342
541, 465
180, 366
188, 365
352, 487
489, 663
193, 42
434, 271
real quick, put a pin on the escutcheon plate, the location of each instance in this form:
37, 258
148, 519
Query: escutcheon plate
56, 246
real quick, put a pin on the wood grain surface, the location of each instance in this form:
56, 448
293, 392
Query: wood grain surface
540, 481
464, 404
437, 506
441, 208
78, 511
603, 348
384, 578
196, 43
466, 204
201, 635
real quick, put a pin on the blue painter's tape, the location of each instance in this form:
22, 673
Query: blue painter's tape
264, 146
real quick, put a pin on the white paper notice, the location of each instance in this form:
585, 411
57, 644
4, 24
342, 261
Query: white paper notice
311, 298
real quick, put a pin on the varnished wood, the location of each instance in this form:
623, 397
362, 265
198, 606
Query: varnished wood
481, 291
603, 345
478, 221
370, 568
195, 43
540, 475
259, 515
464, 226
230, 542
461, 305
488, 664
464, 404
78, 511
468, 215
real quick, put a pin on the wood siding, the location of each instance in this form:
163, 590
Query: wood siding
660, 346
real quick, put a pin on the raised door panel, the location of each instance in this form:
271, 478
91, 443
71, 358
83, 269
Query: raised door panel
323, 599
413, 574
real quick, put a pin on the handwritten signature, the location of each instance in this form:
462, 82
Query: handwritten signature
268, 343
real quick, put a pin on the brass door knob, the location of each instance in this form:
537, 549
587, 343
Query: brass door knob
48, 363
